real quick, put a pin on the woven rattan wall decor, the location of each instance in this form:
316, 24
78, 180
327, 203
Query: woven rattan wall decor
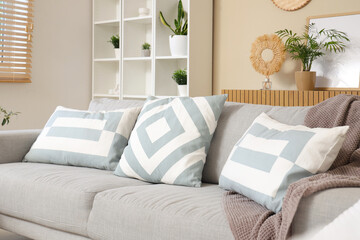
290, 5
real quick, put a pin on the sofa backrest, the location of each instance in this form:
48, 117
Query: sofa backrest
235, 119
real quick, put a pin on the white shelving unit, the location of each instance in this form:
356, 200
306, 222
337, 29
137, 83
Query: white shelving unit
137, 76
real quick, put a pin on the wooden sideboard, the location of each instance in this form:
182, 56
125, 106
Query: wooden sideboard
282, 97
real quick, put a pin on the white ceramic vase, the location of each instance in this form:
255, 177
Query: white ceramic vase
178, 45
117, 53
182, 89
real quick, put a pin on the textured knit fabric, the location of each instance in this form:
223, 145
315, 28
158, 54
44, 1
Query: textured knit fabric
249, 220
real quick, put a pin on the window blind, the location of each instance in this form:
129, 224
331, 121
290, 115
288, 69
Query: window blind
16, 25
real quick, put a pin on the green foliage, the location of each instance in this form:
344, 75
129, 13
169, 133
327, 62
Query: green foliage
309, 46
180, 77
181, 23
115, 40
6, 116
146, 46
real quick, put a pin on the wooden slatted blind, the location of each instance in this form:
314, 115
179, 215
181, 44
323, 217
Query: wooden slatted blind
16, 25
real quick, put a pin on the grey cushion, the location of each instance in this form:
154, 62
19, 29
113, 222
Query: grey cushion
235, 119
319, 209
159, 212
58, 197
106, 104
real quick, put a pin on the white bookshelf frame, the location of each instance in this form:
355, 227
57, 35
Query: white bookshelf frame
137, 76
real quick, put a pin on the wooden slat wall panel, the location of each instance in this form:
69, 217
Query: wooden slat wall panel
282, 97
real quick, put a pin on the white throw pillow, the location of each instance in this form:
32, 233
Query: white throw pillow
272, 155
84, 138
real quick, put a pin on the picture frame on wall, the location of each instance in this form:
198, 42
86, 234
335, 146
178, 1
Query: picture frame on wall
339, 71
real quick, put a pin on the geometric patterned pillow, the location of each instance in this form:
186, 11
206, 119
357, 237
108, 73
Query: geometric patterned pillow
83, 138
170, 140
271, 155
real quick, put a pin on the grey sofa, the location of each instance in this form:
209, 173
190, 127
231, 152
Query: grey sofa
44, 201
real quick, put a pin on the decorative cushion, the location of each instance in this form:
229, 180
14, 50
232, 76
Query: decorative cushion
170, 140
272, 155
85, 139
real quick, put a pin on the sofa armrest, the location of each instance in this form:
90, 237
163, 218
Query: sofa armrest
15, 144
319, 209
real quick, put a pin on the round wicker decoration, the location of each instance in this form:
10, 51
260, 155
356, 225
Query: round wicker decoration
273, 43
290, 5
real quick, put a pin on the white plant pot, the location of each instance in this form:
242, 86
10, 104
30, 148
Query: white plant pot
178, 45
182, 89
117, 53
143, 12
146, 53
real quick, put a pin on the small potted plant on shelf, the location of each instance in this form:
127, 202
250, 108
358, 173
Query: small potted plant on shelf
5, 115
309, 46
115, 41
178, 42
146, 50
180, 77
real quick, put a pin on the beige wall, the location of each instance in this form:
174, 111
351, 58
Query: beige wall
61, 72
237, 23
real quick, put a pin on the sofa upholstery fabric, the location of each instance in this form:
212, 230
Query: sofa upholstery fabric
106, 104
15, 144
54, 196
35, 231
235, 119
321, 208
159, 212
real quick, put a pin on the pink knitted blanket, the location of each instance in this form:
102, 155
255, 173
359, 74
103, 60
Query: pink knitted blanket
249, 220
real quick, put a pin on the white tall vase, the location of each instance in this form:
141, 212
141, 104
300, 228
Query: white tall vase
182, 89
178, 45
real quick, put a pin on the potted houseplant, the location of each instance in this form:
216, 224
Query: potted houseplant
310, 46
5, 115
178, 42
180, 77
115, 41
146, 50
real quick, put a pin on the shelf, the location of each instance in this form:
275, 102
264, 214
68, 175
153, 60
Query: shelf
106, 60
136, 96
140, 20
170, 57
112, 23
106, 95
137, 59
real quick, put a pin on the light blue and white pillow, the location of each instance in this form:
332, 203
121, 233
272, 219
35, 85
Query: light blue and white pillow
85, 139
272, 155
170, 140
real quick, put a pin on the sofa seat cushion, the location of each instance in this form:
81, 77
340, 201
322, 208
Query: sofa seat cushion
159, 212
59, 197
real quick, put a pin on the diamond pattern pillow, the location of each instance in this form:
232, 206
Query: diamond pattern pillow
83, 138
170, 140
272, 155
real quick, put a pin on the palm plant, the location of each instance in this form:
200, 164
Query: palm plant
311, 44
181, 23
6, 116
